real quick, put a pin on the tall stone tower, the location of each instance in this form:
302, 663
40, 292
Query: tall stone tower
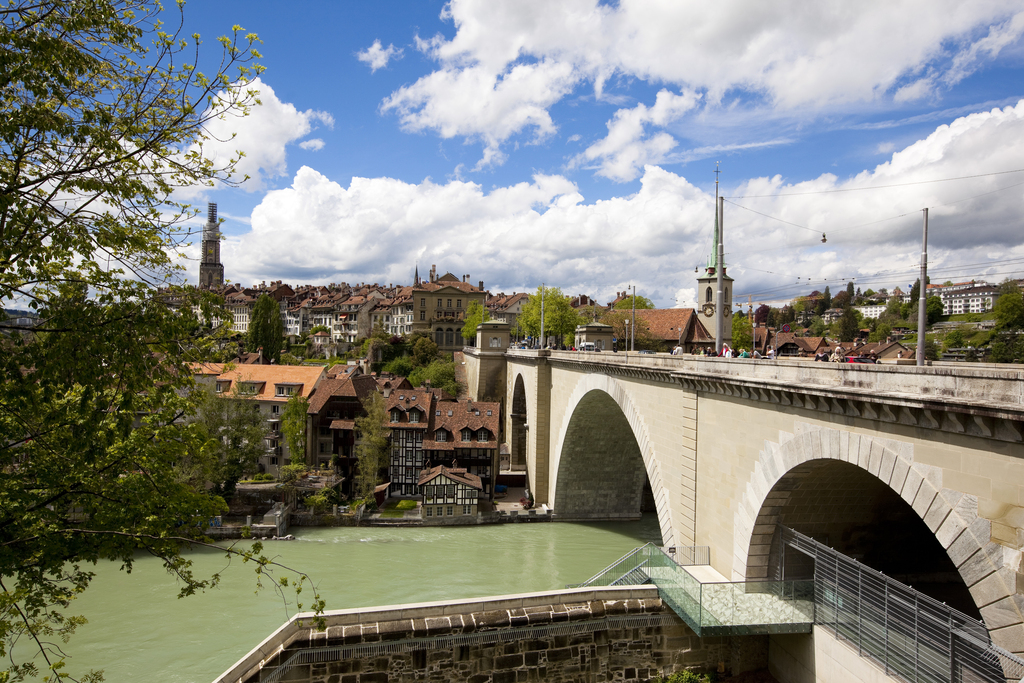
707, 286
211, 270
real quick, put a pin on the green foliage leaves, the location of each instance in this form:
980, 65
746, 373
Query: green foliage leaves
265, 328
560, 319
373, 445
440, 373
475, 315
742, 334
627, 303
1009, 308
293, 426
235, 431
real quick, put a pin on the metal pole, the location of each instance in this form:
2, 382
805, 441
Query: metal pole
719, 268
542, 315
632, 329
922, 301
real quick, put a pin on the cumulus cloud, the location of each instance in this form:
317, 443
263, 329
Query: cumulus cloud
262, 137
377, 56
514, 237
798, 58
313, 144
628, 148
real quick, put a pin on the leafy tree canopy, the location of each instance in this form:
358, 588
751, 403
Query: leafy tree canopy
560, 319
373, 445
934, 309
1009, 307
440, 373
475, 315
293, 426
104, 116
641, 302
265, 328
742, 333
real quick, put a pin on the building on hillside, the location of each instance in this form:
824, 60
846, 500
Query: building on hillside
976, 299
680, 327
333, 409
440, 305
831, 315
884, 350
790, 345
449, 492
211, 270
270, 387
408, 418
465, 434
871, 311
507, 308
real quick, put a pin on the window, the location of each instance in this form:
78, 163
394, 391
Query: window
285, 391
274, 410
449, 303
414, 416
395, 414
495, 342
707, 295
222, 387
465, 509
430, 512
423, 303
488, 413
440, 511
323, 447
423, 315
449, 337
450, 511
458, 303
467, 434
439, 303
482, 435
441, 435
273, 461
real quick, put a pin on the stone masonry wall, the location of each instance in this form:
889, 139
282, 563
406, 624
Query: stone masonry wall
611, 634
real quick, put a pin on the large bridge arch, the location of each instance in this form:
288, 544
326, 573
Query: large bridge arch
602, 454
877, 470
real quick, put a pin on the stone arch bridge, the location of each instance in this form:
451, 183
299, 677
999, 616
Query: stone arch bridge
918, 472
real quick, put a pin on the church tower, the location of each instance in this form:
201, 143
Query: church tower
211, 270
707, 287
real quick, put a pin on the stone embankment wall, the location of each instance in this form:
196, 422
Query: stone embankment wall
609, 634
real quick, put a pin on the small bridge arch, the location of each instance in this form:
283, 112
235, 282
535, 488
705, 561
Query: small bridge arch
603, 455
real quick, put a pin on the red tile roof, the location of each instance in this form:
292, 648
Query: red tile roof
456, 474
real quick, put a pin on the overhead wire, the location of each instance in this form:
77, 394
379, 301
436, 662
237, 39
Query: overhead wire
877, 187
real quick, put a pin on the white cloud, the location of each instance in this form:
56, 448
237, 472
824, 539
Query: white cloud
377, 56
517, 236
262, 137
626, 149
482, 105
795, 57
313, 144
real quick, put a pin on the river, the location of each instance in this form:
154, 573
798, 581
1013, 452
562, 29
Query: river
139, 630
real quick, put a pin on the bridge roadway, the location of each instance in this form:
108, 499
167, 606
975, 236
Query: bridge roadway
917, 472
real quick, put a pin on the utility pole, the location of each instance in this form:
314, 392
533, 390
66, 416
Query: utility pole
542, 315
632, 330
719, 268
922, 301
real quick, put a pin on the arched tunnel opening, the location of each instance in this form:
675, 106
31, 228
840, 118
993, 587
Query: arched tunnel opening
601, 471
854, 512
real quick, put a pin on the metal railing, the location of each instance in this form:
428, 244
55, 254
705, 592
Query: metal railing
912, 636
713, 608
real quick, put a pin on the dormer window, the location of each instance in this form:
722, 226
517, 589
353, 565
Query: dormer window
396, 415
441, 435
483, 435
247, 388
223, 386
467, 434
284, 390
488, 413
414, 416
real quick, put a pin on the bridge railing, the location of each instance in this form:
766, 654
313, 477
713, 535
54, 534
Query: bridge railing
912, 636
719, 608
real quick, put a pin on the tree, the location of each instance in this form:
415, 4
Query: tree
841, 300
403, 367
293, 426
475, 315
441, 375
881, 332
848, 323
560, 319
954, 340
933, 309
424, 351
762, 313
742, 333
373, 445
1009, 307
825, 302
850, 291
265, 328
235, 433
641, 302
98, 130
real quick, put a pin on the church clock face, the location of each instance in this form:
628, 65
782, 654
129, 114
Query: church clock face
708, 309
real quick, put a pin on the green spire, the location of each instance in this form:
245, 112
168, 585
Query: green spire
713, 258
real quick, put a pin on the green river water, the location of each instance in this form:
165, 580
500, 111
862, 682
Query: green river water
139, 631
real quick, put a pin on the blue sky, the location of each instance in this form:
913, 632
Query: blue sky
575, 143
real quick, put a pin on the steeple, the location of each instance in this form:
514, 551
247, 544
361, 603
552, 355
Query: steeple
713, 258
211, 270
416, 277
